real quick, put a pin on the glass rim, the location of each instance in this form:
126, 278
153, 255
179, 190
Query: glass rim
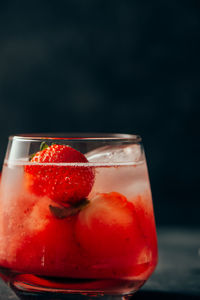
82, 136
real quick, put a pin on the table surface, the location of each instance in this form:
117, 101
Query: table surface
177, 275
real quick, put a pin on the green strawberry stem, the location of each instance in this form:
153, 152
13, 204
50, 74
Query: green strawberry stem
31, 156
43, 146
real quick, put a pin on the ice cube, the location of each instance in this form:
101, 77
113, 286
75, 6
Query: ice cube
128, 180
121, 169
115, 154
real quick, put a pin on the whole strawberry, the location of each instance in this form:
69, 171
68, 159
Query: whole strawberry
65, 184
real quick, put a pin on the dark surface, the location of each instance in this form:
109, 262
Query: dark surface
178, 273
110, 66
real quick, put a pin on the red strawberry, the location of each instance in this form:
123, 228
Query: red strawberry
109, 232
47, 245
63, 184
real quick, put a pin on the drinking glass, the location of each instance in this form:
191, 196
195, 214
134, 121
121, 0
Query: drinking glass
76, 216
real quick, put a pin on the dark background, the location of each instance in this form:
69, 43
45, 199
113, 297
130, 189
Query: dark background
110, 66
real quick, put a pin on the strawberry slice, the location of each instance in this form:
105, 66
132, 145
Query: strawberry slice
63, 184
108, 230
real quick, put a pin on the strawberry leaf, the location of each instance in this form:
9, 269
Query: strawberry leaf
64, 212
31, 156
43, 146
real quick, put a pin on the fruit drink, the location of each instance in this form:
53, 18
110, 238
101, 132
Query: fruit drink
67, 223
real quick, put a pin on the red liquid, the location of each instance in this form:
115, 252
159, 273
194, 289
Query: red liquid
108, 247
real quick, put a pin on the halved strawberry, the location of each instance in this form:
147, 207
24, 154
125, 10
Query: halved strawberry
109, 231
63, 184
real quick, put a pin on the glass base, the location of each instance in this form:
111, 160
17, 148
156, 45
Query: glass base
28, 286
58, 296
